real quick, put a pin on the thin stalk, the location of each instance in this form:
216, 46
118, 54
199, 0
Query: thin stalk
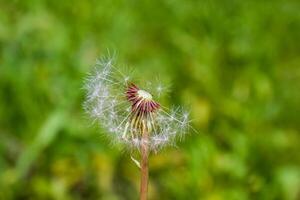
144, 166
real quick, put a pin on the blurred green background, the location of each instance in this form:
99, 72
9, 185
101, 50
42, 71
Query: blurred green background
234, 63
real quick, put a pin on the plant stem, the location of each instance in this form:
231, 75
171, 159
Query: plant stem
144, 166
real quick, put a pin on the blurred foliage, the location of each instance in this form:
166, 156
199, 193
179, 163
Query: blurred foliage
234, 63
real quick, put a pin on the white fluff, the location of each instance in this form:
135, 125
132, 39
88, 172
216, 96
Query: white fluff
107, 104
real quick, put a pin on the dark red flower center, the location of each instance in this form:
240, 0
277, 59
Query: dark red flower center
141, 100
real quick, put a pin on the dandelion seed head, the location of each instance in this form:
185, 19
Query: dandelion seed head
125, 110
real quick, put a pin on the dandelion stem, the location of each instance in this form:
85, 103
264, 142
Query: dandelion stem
144, 165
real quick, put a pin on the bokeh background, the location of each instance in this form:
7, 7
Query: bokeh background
235, 64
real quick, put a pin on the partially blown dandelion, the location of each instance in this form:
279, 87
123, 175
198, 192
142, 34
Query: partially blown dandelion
130, 115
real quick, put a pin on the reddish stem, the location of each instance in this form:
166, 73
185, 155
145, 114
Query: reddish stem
144, 167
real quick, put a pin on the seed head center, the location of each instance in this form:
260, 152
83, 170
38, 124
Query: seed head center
144, 94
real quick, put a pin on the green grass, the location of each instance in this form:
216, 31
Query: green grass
234, 63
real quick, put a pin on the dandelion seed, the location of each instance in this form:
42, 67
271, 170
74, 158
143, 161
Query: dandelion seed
125, 110
131, 115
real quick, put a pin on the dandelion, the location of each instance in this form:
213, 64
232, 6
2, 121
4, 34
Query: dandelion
130, 114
